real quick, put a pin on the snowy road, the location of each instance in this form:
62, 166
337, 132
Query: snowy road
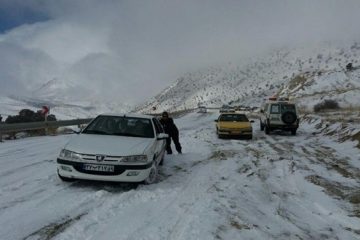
272, 187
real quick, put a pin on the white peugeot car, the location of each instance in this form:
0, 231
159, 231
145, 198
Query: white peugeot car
115, 147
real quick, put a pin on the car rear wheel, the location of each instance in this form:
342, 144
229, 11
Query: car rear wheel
267, 129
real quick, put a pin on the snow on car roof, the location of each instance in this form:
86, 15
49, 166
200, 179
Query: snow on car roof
233, 113
136, 115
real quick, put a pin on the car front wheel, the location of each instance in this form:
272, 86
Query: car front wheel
65, 179
218, 134
261, 126
152, 175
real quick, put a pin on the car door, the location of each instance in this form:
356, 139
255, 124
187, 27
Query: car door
160, 144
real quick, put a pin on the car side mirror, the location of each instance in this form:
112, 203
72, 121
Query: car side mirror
162, 136
76, 130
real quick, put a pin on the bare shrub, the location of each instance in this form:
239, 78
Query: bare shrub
328, 104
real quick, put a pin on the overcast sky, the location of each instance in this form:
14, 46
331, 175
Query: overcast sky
131, 50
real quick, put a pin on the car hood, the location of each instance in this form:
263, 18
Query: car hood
108, 145
234, 125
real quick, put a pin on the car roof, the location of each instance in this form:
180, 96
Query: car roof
279, 102
134, 115
233, 113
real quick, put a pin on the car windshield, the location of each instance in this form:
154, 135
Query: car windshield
233, 118
121, 126
226, 107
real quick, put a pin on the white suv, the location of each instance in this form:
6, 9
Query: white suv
279, 114
115, 147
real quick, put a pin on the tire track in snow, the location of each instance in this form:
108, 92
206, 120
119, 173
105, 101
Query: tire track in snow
330, 159
283, 191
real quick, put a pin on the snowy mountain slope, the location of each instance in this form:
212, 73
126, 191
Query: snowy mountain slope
308, 75
322, 67
11, 105
66, 100
52, 88
273, 187
342, 86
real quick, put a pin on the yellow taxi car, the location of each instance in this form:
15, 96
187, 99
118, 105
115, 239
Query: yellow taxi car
233, 124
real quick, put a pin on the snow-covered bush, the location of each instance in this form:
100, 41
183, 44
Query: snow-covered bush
327, 104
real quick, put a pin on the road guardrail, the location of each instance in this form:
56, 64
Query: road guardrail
19, 127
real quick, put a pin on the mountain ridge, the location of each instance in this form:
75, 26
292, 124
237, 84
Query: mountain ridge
274, 74
308, 75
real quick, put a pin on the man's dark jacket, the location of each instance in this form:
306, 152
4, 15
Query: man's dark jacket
169, 127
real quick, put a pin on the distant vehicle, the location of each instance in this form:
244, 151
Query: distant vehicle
202, 109
226, 108
233, 124
254, 108
279, 114
237, 108
115, 147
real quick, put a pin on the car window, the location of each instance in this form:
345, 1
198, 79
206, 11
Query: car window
275, 108
233, 118
288, 108
158, 127
121, 126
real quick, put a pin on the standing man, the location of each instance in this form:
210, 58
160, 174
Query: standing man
173, 132
0, 132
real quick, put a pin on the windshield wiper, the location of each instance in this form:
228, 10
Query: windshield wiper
127, 134
95, 132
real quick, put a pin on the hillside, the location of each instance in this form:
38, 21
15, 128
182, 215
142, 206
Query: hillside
307, 75
11, 105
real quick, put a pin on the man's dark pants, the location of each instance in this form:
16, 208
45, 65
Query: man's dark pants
175, 138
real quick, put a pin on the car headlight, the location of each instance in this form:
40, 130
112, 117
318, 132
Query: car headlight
135, 159
69, 155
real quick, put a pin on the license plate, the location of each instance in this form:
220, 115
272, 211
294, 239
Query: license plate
99, 168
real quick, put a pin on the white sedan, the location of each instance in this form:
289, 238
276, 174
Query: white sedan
115, 147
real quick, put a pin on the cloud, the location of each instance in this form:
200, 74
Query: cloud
17, 12
131, 50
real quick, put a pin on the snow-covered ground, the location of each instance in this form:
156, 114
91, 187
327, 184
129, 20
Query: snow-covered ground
273, 187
